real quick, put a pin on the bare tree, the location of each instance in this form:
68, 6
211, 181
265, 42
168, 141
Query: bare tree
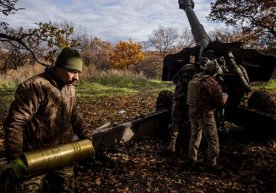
227, 35
186, 39
97, 52
163, 39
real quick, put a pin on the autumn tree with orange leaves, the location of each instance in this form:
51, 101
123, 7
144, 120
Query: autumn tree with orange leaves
126, 53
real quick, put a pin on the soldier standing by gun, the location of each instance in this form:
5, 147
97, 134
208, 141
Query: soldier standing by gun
179, 113
43, 114
180, 108
204, 97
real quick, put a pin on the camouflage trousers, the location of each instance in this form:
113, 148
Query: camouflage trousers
179, 117
58, 180
207, 125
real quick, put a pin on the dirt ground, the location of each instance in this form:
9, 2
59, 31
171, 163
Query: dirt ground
248, 159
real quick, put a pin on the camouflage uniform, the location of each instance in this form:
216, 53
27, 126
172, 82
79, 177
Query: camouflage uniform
179, 112
204, 96
44, 113
58, 180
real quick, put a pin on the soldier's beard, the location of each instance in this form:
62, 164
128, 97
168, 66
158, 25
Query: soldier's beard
74, 82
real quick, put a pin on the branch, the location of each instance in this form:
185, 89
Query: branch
20, 41
8, 7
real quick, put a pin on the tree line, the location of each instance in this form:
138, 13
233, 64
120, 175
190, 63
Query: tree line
252, 22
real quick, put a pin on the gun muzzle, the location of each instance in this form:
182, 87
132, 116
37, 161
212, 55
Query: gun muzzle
39, 161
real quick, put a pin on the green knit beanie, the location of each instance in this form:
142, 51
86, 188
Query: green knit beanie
69, 58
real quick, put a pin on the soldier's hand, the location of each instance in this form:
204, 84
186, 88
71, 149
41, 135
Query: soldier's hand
19, 168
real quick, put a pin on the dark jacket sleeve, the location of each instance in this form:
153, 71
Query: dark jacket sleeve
79, 127
23, 108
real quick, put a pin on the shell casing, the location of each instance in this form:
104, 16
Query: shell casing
41, 160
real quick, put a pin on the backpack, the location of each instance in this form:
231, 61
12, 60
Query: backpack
193, 97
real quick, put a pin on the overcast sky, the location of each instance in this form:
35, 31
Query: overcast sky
111, 20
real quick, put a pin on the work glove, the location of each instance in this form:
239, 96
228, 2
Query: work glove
19, 168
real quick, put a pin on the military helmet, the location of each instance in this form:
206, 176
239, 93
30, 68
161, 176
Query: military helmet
69, 58
203, 60
211, 68
210, 54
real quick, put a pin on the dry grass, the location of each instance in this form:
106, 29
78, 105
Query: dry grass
21, 74
90, 72
13, 77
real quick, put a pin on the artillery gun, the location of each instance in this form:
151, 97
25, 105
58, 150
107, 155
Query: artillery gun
248, 66
258, 66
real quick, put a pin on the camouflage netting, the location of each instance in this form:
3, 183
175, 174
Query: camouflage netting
164, 100
262, 101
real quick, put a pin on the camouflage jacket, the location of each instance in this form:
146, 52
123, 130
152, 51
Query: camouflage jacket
44, 113
210, 97
181, 79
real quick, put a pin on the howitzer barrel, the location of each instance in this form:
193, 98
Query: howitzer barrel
39, 161
200, 35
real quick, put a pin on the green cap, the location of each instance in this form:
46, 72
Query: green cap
69, 58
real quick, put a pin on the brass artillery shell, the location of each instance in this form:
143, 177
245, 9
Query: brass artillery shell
39, 161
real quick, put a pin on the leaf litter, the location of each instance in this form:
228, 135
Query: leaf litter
141, 165
248, 159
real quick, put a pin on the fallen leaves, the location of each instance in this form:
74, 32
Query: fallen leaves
141, 166
97, 111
